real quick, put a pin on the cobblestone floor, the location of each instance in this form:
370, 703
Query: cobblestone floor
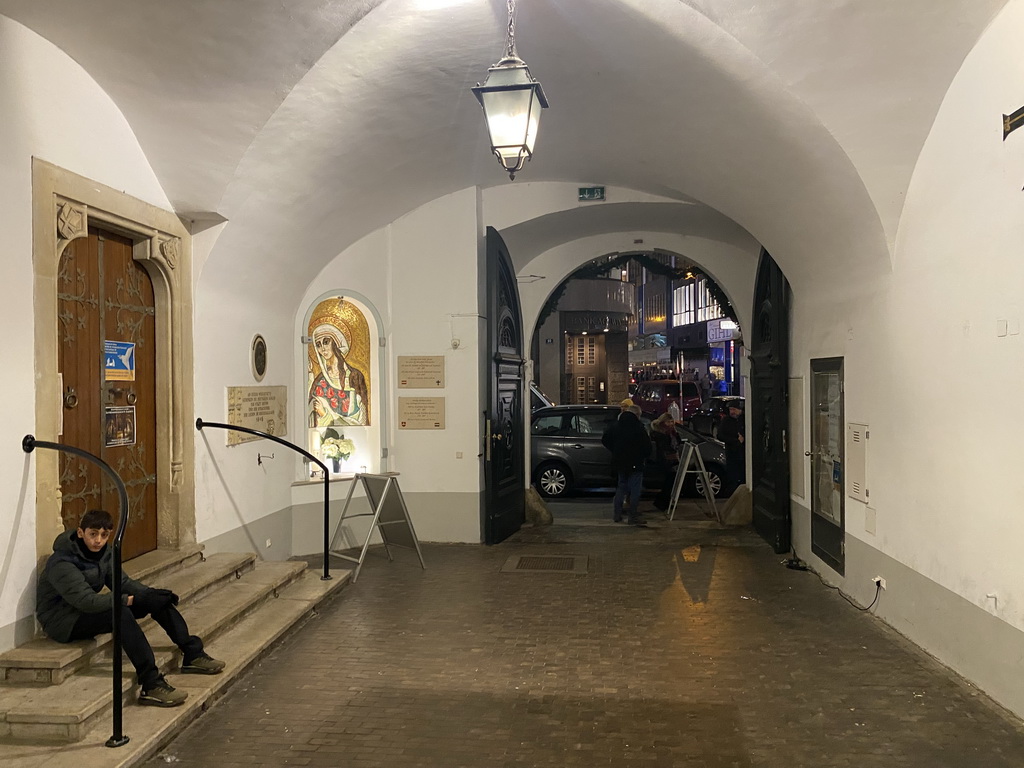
683, 645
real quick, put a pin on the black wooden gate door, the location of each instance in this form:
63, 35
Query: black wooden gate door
504, 495
769, 405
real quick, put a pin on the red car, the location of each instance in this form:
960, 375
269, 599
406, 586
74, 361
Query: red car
655, 397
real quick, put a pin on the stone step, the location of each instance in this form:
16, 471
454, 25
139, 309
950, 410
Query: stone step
44, 661
66, 712
219, 609
150, 728
161, 562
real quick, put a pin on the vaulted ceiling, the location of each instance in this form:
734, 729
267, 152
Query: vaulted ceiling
333, 117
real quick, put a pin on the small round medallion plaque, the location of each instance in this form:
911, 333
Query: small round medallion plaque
259, 357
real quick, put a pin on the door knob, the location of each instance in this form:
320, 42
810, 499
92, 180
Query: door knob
70, 398
807, 453
496, 436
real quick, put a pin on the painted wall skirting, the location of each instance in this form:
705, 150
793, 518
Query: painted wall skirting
966, 638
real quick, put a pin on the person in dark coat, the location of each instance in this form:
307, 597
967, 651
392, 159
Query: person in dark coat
630, 446
731, 432
666, 456
70, 606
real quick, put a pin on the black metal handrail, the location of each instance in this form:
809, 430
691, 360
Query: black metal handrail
327, 479
28, 444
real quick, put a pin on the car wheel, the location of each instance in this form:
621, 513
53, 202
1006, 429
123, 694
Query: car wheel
553, 480
714, 478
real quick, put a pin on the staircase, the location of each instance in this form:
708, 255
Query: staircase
56, 698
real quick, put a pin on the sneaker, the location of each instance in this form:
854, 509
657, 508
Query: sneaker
162, 695
203, 664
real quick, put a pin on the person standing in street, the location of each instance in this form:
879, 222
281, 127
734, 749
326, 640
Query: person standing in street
705, 386
731, 431
630, 446
666, 457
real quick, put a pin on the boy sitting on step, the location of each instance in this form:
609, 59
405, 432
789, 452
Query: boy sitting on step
70, 607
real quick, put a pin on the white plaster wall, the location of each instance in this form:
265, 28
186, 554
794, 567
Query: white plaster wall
926, 367
421, 274
958, 272
232, 487
51, 109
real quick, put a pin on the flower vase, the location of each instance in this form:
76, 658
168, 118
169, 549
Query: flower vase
337, 464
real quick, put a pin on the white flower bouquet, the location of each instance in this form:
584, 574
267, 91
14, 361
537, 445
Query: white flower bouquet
337, 448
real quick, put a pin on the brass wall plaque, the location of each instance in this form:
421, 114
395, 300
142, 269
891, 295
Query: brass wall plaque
421, 371
421, 413
261, 408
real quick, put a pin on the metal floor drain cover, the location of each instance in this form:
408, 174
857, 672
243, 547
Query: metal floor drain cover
545, 564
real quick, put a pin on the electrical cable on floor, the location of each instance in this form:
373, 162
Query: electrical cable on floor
794, 563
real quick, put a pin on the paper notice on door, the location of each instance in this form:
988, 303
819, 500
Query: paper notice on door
118, 360
119, 425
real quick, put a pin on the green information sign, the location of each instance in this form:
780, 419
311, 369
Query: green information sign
591, 193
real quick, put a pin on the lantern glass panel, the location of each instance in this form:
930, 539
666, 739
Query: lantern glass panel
508, 116
534, 120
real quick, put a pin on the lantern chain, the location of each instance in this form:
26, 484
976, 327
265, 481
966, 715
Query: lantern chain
510, 40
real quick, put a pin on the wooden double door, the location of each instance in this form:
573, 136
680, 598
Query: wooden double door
107, 324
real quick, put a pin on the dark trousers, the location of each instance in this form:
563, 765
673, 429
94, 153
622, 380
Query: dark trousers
664, 497
736, 471
134, 641
629, 484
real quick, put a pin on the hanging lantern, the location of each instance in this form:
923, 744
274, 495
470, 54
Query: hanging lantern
512, 102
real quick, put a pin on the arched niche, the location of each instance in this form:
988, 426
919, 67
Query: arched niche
350, 402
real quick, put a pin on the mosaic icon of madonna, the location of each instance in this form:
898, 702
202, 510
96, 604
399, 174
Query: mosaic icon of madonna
339, 366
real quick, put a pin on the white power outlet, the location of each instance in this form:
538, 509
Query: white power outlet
269, 542
879, 581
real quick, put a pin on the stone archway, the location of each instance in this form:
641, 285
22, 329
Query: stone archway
63, 206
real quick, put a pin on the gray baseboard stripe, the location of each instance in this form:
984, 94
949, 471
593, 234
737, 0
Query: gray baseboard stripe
978, 646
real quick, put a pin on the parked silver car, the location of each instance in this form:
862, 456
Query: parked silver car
567, 451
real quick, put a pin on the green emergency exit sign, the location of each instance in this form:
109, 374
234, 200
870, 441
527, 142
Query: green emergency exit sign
591, 193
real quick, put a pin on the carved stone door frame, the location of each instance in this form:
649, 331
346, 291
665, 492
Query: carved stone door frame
63, 206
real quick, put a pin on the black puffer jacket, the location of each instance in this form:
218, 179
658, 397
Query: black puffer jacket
70, 585
729, 432
629, 443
